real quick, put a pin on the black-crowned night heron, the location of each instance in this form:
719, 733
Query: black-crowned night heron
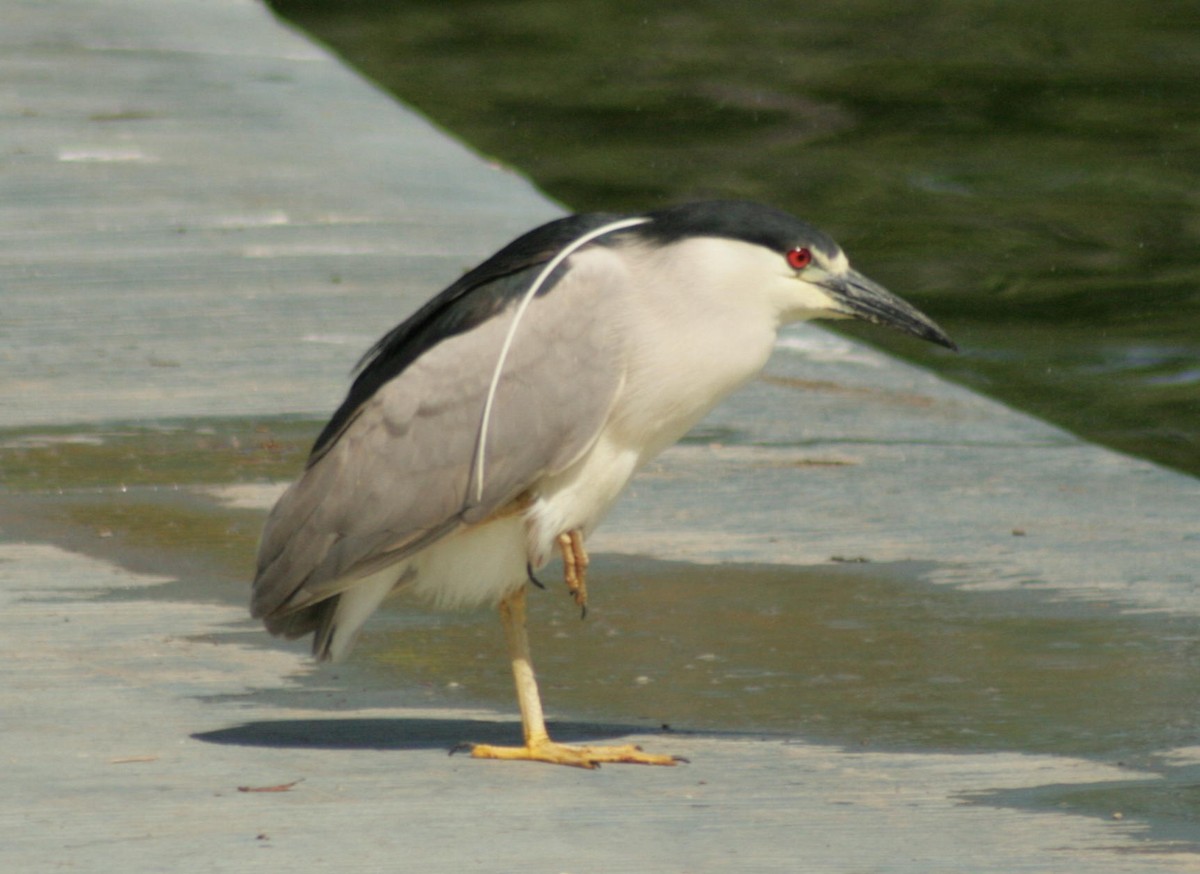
499, 423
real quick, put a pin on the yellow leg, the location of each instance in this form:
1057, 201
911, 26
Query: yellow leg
575, 565
538, 745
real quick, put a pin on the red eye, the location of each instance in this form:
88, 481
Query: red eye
799, 258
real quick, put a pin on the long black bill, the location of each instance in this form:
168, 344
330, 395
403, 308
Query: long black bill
859, 297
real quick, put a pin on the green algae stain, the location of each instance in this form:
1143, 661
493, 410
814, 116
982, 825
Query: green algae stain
137, 494
65, 459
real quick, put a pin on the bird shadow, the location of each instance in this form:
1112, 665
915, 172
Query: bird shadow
397, 734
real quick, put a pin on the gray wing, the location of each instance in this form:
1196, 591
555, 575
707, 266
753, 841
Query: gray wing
401, 474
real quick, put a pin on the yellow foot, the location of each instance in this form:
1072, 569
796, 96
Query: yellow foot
578, 757
575, 565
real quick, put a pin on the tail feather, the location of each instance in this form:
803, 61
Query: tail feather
337, 621
302, 622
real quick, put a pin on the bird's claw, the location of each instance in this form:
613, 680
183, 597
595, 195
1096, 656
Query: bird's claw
575, 564
588, 757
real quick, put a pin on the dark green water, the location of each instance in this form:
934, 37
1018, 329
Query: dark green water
1028, 173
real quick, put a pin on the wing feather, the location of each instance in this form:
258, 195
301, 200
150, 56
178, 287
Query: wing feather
398, 473
477, 296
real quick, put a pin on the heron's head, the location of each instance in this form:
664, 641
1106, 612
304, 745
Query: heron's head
795, 271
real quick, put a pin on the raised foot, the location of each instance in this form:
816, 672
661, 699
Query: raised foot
577, 757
